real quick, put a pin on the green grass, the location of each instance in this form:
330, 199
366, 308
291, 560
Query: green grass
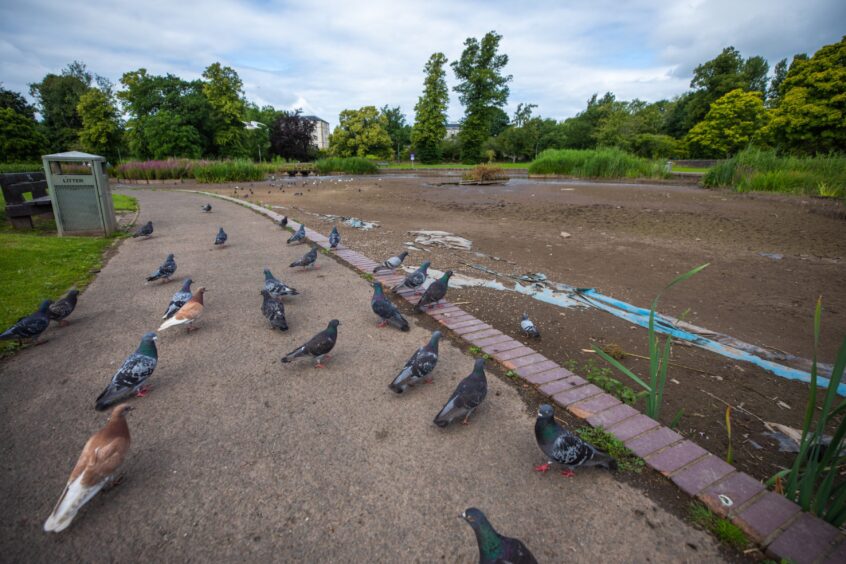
228, 171
124, 203
597, 163
757, 170
407, 166
21, 167
346, 165
726, 531
627, 461
601, 376
700, 169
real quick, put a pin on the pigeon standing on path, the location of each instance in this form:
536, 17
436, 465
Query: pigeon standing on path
386, 310
277, 288
436, 291
165, 271
29, 327
59, 310
563, 447
221, 238
187, 314
493, 547
308, 259
179, 299
528, 327
207, 208
420, 365
283, 223
334, 238
274, 311
415, 279
101, 456
298, 236
145, 230
132, 375
318, 346
392, 263
469, 394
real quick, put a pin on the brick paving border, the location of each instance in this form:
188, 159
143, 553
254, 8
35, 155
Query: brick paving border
775, 523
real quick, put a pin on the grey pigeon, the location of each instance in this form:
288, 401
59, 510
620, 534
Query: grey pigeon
31, 326
307, 260
165, 271
277, 288
132, 375
386, 310
436, 291
221, 237
493, 547
64, 307
274, 311
392, 263
145, 230
179, 299
420, 365
469, 394
334, 238
563, 447
298, 236
415, 279
283, 223
318, 346
207, 208
528, 327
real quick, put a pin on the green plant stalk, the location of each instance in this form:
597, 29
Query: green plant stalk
730, 453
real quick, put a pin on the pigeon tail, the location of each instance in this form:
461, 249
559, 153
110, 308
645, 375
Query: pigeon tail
297, 353
73, 498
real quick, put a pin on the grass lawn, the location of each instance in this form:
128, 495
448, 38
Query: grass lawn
407, 165
703, 169
124, 203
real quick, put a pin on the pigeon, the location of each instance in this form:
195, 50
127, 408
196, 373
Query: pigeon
31, 326
392, 263
420, 365
528, 327
334, 238
386, 310
277, 288
101, 456
469, 394
165, 271
207, 208
274, 311
563, 447
187, 314
318, 346
434, 292
493, 547
64, 307
298, 236
283, 223
307, 260
179, 299
415, 279
220, 238
132, 375
145, 230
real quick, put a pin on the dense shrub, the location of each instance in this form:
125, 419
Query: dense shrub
21, 167
484, 173
346, 165
596, 163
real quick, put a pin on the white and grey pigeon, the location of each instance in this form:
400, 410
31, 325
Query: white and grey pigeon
63, 307
179, 299
415, 279
334, 238
165, 271
392, 263
274, 310
277, 288
469, 394
298, 236
307, 260
529, 327
563, 447
221, 238
132, 375
420, 365
30, 326
207, 208
145, 230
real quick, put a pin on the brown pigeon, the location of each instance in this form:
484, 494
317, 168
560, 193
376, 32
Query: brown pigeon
187, 314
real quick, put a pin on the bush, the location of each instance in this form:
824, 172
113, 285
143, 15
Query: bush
21, 167
346, 165
484, 173
228, 171
596, 163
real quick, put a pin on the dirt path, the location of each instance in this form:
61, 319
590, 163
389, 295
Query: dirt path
235, 457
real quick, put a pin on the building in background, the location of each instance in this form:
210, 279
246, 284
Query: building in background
452, 130
320, 135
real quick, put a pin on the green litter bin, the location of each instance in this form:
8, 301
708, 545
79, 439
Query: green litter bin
80, 193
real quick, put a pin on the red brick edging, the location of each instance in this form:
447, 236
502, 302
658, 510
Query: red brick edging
771, 520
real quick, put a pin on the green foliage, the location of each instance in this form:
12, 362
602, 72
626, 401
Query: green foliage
478, 353
291, 136
598, 163
14, 101
21, 167
627, 461
124, 203
729, 126
349, 165
100, 132
726, 531
601, 376
167, 135
361, 133
20, 138
171, 169
398, 130
223, 90
761, 170
57, 98
430, 111
239, 170
484, 173
656, 146
814, 481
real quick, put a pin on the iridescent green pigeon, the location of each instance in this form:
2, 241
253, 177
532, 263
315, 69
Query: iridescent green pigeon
493, 547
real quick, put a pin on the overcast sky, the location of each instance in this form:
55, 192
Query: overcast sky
324, 56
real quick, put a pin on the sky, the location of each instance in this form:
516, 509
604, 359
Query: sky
325, 56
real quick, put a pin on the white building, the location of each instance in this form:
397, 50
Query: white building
452, 130
320, 135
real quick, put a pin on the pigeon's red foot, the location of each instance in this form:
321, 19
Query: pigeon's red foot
320, 365
142, 392
382, 323
429, 381
63, 323
542, 468
568, 473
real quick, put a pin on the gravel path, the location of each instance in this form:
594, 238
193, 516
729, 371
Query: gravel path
237, 457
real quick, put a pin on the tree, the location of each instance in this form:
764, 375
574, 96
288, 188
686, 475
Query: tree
100, 133
291, 136
361, 133
20, 139
398, 130
774, 91
581, 131
167, 135
482, 90
811, 115
57, 98
429, 128
223, 90
729, 126
16, 103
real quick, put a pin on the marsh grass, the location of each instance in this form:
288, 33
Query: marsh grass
346, 165
597, 163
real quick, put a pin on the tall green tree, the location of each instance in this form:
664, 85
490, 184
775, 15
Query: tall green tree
361, 133
15, 102
223, 90
397, 128
291, 136
20, 138
101, 129
774, 90
482, 89
57, 97
730, 125
167, 135
430, 117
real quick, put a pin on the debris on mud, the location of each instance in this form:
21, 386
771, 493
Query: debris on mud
442, 239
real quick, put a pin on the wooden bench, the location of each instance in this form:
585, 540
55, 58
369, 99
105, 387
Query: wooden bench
19, 210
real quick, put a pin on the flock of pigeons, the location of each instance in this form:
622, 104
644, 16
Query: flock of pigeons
104, 452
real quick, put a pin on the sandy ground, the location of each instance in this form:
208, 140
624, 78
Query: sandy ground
236, 457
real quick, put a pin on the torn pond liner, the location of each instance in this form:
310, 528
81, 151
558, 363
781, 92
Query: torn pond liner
566, 296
